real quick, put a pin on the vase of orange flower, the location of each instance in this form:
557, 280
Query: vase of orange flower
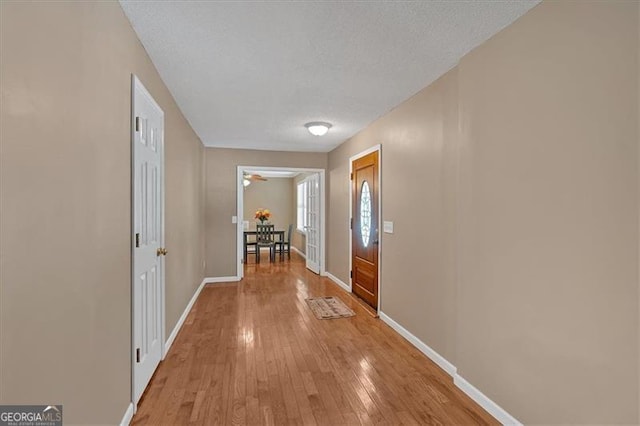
263, 215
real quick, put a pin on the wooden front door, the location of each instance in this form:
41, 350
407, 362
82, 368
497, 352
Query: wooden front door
364, 229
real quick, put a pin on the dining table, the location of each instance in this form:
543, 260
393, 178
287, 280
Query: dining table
245, 239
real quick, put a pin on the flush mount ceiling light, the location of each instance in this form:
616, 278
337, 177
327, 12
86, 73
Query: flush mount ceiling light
318, 128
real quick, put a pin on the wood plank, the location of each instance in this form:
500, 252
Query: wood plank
253, 353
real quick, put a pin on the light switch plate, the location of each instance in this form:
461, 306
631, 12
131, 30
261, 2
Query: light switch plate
388, 227
234, 219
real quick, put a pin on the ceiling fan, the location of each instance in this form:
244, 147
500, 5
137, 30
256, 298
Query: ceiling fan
247, 178
253, 177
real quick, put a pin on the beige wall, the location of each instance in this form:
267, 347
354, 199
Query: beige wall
273, 194
513, 185
221, 175
549, 219
417, 187
65, 325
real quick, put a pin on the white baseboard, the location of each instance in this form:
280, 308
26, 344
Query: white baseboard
485, 402
128, 416
338, 281
420, 345
183, 317
304, 256
481, 399
213, 280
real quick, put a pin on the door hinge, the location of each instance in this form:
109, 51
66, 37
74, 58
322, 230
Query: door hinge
137, 124
137, 354
350, 274
138, 239
351, 223
351, 176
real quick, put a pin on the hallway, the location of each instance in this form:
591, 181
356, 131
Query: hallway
253, 353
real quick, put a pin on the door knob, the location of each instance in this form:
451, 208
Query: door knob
161, 252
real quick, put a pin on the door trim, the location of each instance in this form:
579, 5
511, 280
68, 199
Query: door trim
368, 151
137, 84
306, 181
240, 208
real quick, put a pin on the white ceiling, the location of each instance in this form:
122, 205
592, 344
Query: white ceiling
251, 74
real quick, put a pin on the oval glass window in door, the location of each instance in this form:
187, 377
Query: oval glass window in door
365, 213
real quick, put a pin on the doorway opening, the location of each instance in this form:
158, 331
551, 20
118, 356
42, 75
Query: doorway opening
307, 217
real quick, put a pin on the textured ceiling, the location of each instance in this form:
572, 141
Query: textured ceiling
251, 74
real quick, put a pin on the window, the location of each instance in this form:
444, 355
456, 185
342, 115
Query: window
365, 213
301, 200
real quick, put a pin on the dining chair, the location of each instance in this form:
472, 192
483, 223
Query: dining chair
285, 245
264, 238
253, 245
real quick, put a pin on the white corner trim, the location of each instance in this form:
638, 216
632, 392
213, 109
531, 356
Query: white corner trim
183, 317
304, 256
420, 345
338, 281
485, 402
128, 416
213, 280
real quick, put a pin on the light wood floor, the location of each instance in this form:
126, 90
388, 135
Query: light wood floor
253, 353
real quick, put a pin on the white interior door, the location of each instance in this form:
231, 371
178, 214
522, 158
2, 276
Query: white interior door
312, 227
148, 237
